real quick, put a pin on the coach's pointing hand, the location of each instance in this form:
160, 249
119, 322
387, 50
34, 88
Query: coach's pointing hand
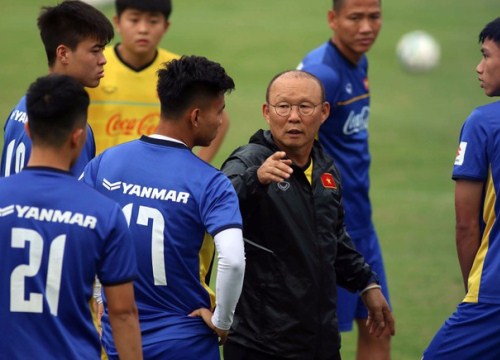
276, 168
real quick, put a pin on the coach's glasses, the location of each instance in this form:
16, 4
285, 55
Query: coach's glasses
305, 108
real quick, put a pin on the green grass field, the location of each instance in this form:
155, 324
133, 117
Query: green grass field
414, 125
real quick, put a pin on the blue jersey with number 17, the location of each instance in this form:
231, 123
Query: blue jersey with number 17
17, 144
56, 235
171, 198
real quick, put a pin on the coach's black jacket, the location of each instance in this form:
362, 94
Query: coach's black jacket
297, 249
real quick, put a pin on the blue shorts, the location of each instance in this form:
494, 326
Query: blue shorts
471, 332
349, 305
196, 347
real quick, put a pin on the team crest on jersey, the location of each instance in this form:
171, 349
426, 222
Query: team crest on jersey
348, 88
284, 186
109, 89
459, 159
328, 181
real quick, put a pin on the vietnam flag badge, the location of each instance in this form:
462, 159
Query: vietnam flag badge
328, 181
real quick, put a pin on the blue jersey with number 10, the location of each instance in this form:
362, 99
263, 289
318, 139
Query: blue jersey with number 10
17, 144
171, 198
56, 235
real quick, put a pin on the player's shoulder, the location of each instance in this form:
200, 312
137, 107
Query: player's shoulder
485, 114
166, 55
317, 54
322, 62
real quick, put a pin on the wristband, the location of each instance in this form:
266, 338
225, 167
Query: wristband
370, 287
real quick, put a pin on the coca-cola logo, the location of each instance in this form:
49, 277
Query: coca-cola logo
357, 122
132, 126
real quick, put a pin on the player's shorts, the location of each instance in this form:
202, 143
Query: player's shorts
349, 305
196, 347
471, 332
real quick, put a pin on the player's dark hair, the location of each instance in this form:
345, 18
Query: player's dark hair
162, 6
337, 4
56, 104
69, 23
190, 80
296, 74
491, 31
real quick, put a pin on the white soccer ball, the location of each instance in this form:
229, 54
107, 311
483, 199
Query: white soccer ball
418, 51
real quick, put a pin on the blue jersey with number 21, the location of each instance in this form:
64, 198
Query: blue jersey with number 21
56, 235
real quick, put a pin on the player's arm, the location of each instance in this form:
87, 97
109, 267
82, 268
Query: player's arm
229, 282
124, 320
468, 199
208, 153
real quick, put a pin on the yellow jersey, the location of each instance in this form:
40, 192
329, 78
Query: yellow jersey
125, 105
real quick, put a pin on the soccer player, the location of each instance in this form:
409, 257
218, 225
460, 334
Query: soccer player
171, 198
56, 235
297, 248
125, 105
342, 66
473, 330
74, 35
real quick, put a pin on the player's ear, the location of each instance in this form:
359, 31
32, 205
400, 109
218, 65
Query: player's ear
116, 23
166, 26
332, 19
27, 129
62, 52
78, 137
194, 117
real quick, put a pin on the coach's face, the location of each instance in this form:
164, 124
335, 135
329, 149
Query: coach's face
295, 132
489, 68
207, 120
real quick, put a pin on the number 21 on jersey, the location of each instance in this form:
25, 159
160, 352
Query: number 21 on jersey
26, 238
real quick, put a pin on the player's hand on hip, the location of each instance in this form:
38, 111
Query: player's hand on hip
206, 315
276, 168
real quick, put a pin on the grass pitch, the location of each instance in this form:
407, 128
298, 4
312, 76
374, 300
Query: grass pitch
414, 125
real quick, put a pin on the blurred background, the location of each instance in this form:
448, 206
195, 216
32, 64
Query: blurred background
414, 125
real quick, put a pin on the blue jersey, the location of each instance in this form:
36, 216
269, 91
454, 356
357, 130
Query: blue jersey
344, 134
171, 198
56, 235
17, 144
478, 159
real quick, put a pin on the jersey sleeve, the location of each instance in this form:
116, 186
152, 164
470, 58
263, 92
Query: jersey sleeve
471, 160
118, 264
219, 206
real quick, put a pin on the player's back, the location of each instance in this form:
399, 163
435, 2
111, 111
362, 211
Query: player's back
171, 198
54, 232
